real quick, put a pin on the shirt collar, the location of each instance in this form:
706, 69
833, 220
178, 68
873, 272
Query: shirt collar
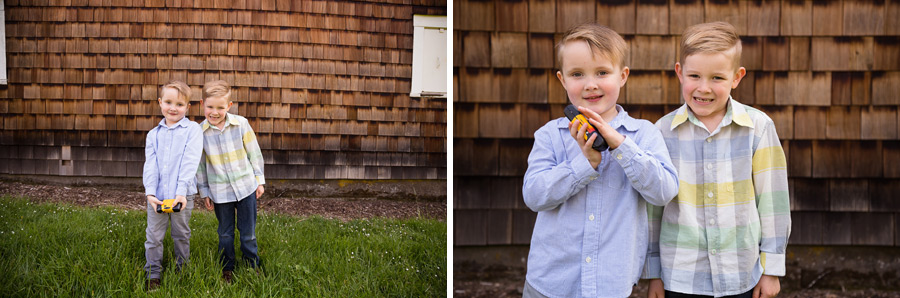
183, 122
228, 120
735, 112
621, 119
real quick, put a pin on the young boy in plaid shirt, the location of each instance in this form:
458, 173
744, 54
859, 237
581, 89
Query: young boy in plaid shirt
231, 176
726, 232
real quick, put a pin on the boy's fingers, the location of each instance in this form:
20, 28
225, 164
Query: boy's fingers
756, 291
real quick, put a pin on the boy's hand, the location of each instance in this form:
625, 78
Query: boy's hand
260, 190
208, 204
656, 289
613, 138
593, 156
768, 286
153, 202
182, 200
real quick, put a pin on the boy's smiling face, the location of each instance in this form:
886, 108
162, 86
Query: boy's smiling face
706, 83
591, 79
215, 109
173, 105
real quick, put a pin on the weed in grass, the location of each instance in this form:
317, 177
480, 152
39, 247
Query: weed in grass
57, 250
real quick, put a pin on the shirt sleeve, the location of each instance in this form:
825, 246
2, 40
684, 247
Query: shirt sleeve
652, 265
151, 172
550, 182
772, 201
251, 145
202, 176
193, 149
648, 166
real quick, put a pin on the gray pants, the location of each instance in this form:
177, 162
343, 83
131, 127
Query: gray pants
530, 292
156, 231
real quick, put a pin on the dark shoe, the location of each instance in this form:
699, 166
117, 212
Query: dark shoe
226, 275
153, 284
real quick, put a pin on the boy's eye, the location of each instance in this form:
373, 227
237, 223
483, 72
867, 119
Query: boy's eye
694, 76
718, 78
603, 73
576, 74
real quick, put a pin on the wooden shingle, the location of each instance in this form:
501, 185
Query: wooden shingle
796, 18
541, 51
879, 123
732, 11
843, 123
499, 121
617, 15
827, 18
872, 228
883, 195
863, 17
653, 16
653, 52
867, 160
809, 194
541, 16
885, 87
477, 49
776, 53
509, 50
832, 159
809, 123
763, 18
512, 16
474, 15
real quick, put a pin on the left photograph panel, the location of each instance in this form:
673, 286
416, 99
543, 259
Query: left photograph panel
261, 148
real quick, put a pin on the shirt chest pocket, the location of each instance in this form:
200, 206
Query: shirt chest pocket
613, 176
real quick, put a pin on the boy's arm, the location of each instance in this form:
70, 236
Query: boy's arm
772, 201
549, 182
202, 176
193, 149
652, 265
648, 165
254, 154
151, 173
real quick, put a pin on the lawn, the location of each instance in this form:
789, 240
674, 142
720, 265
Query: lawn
58, 250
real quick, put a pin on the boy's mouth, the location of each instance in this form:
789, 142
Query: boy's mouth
593, 98
704, 100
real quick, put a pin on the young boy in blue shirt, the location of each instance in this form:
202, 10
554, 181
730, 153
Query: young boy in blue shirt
172, 155
591, 234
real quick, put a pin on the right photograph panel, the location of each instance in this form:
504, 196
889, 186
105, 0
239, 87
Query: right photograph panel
749, 146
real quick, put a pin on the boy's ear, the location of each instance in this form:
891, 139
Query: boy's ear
625, 72
560, 77
741, 72
678, 72
229, 105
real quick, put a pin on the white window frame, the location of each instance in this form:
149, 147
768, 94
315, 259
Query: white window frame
429, 67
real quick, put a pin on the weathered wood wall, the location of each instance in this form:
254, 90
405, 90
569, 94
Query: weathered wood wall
827, 72
325, 84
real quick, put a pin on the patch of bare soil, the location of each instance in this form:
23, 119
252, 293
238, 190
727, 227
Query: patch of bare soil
476, 280
336, 208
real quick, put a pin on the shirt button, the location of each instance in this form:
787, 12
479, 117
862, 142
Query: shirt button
712, 251
709, 140
588, 259
709, 167
618, 156
712, 221
591, 217
709, 195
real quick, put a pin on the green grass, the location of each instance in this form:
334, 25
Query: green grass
56, 250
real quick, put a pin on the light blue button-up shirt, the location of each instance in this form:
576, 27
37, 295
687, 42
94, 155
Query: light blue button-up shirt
591, 235
172, 156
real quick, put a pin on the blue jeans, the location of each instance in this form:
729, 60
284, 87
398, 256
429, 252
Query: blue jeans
246, 225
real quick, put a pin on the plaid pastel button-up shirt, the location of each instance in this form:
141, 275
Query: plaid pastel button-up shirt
731, 220
232, 164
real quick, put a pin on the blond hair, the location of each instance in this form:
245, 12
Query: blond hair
709, 38
601, 39
183, 90
217, 88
